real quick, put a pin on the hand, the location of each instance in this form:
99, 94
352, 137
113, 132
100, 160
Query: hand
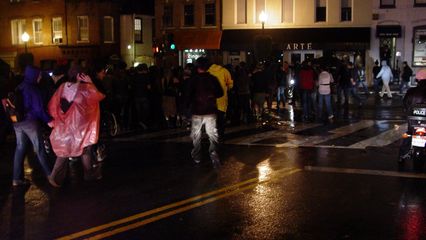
50, 124
84, 78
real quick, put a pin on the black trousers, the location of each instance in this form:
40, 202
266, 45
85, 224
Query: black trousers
220, 124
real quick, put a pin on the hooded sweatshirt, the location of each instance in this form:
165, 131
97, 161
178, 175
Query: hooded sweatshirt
385, 72
225, 80
33, 103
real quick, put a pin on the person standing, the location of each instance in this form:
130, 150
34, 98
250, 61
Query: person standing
360, 78
242, 85
405, 77
203, 91
226, 82
282, 83
377, 81
386, 75
325, 79
30, 129
307, 84
76, 120
259, 89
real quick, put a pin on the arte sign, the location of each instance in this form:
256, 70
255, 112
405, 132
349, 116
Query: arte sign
298, 46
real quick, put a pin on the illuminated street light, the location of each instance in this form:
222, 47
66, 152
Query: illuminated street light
263, 17
25, 38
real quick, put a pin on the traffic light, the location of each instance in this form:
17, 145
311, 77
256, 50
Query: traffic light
171, 42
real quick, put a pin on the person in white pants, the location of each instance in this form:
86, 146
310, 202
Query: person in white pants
386, 75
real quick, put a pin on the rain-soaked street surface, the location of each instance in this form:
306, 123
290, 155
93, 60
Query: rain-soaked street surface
281, 179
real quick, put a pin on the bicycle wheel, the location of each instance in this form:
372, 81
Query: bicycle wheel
111, 124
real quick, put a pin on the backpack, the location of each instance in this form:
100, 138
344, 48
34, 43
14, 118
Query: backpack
13, 106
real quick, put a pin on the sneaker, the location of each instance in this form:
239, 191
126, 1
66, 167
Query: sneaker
330, 117
197, 161
215, 160
17, 183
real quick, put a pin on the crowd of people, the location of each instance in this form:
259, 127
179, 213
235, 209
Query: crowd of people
69, 100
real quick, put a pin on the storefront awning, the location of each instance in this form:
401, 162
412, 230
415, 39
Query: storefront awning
197, 39
315, 38
388, 31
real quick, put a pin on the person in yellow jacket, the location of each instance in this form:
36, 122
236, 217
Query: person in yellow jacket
226, 82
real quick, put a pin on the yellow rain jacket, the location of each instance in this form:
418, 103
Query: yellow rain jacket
225, 80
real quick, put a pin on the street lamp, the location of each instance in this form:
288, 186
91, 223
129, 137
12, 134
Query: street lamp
263, 17
25, 38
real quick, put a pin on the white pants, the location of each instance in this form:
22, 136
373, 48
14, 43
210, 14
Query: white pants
386, 88
209, 122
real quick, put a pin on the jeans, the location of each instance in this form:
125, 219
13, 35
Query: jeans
25, 131
280, 96
307, 101
403, 86
364, 86
209, 122
327, 99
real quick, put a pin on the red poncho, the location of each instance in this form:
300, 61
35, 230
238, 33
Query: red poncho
78, 127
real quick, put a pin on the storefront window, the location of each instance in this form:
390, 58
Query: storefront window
419, 51
191, 55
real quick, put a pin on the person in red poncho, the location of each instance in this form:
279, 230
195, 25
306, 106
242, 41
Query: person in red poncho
76, 120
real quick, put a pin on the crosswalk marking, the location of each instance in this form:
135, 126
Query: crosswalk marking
291, 134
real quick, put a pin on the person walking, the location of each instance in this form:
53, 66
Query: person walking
76, 120
406, 74
360, 78
386, 75
282, 83
30, 128
203, 91
226, 82
325, 79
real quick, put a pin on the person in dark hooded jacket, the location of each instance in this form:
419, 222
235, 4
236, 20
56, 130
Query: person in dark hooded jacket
30, 127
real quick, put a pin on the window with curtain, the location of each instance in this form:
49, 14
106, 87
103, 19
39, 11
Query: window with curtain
387, 3
138, 30
321, 11
37, 31
241, 11
260, 6
188, 14
17, 29
287, 11
210, 13
57, 30
108, 29
346, 10
83, 28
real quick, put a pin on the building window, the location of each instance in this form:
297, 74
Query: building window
168, 16
241, 11
321, 10
287, 11
346, 10
108, 29
17, 29
419, 3
37, 31
210, 13
419, 45
57, 30
387, 3
138, 30
15, 1
260, 6
188, 14
83, 28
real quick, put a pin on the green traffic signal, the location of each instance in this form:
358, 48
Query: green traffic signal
172, 46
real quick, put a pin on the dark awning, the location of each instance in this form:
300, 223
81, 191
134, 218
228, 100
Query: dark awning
197, 39
317, 38
388, 31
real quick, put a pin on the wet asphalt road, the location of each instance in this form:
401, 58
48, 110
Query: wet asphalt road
327, 187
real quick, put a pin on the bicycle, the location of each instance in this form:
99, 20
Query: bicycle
109, 124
